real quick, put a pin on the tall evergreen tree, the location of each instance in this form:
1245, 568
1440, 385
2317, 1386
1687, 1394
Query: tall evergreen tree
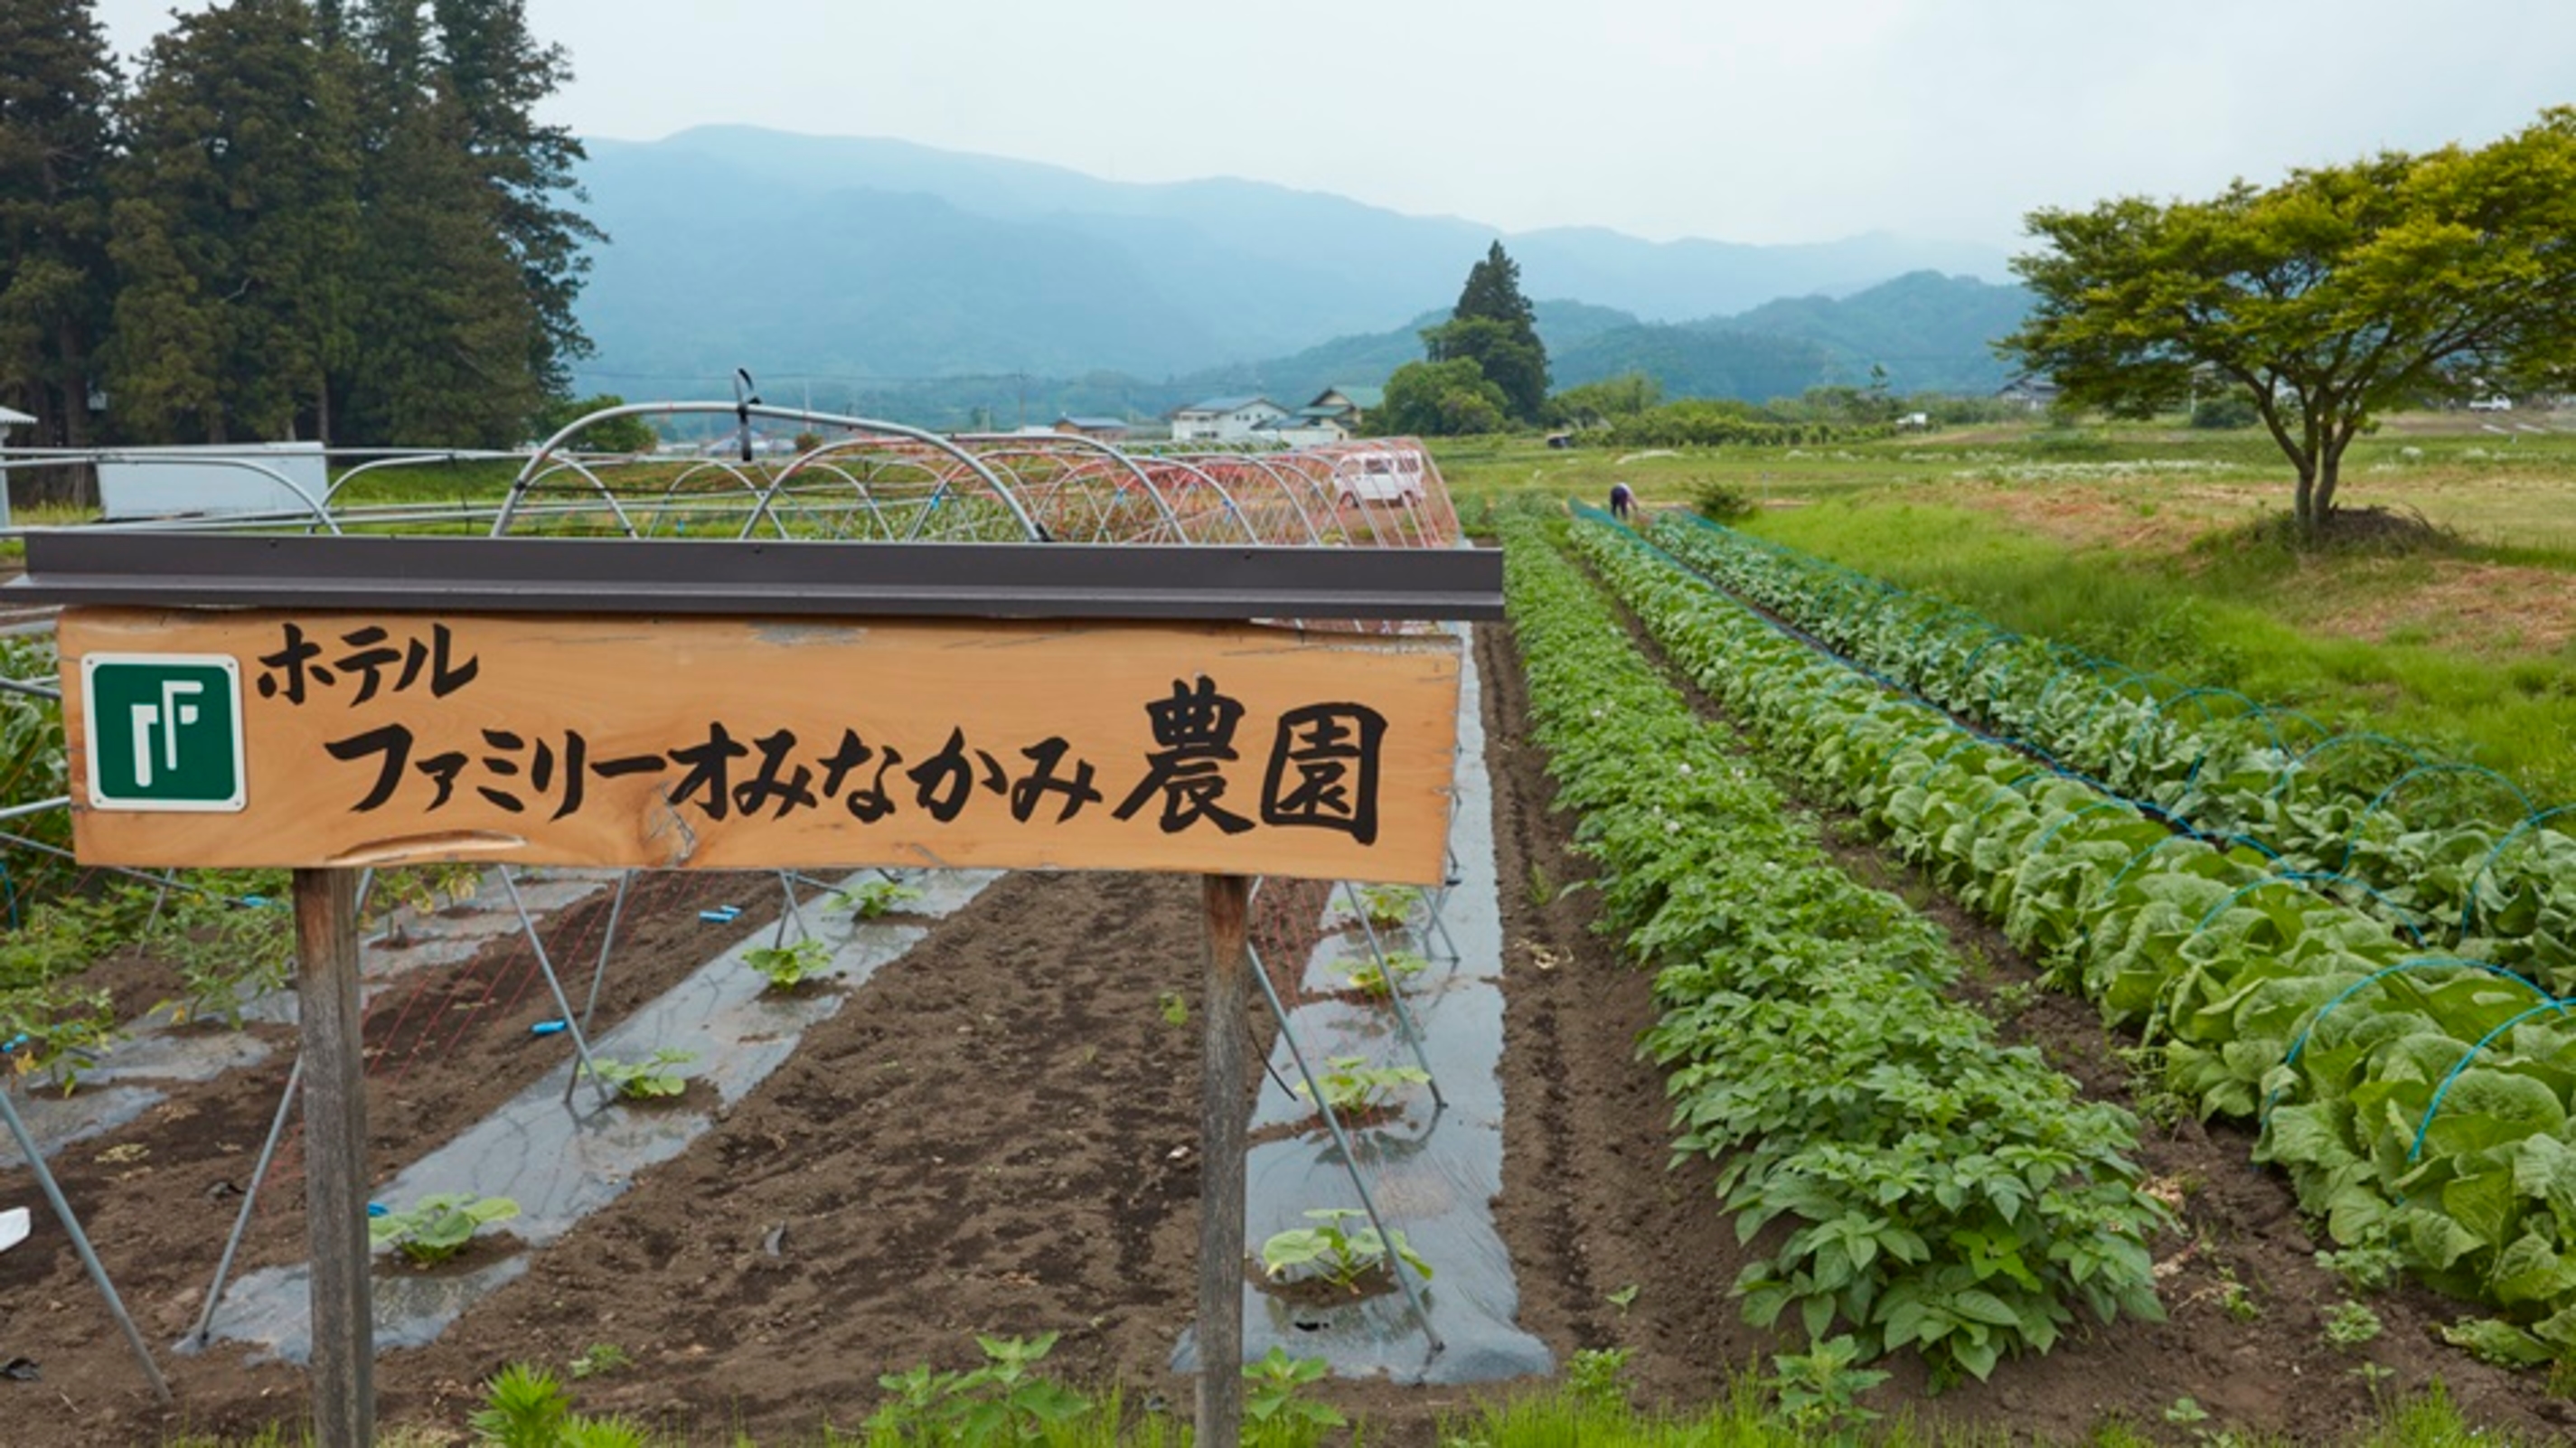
501, 73
235, 213
1494, 327
445, 329
57, 87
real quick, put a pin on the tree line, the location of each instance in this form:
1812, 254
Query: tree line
338, 220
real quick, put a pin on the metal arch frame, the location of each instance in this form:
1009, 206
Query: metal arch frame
747, 411
817, 462
1193, 479
1001, 447
1250, 466
530, 475
894, 449
12, 458
1435, 523
1320, 474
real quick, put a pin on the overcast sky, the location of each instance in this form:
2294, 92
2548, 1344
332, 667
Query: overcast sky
1788, 120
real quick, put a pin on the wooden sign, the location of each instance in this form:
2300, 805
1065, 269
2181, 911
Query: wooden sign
312, 739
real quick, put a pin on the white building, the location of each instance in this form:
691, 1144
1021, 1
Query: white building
1224, 419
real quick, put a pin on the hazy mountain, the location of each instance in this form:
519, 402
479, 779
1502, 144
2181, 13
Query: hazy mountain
1368, 359
844, 258
1930, 332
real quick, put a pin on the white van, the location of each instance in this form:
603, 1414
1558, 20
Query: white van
1379, 477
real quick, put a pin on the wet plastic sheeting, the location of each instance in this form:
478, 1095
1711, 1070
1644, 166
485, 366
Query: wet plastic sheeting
561, 1164
453, 933
154, 1050
1433, 1172
127, 1082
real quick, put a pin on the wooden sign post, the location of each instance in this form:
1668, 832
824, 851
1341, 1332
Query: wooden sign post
308, 703
335, 1133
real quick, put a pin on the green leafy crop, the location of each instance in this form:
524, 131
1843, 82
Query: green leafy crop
1005, 1401
1375, 976
651, 1079
2409, 1078
872, 898
1352, 1086
789, 966
1350, 1260
1937, 1190
438, 1227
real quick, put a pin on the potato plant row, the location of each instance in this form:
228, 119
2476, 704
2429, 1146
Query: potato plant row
2450, 854
1915, 1183
2420, 1102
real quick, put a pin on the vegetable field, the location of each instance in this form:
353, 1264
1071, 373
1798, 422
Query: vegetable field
1900, 1020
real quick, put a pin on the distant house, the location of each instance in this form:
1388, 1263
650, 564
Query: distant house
1224, 419
1348, 407
1098, 429
1306, 427
2029, 390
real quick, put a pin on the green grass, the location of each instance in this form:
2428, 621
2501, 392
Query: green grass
2247, 618
1565, 1420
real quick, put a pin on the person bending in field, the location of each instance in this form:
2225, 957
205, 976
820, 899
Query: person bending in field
1622, 502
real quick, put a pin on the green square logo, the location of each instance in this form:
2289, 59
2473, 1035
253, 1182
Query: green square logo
164, 731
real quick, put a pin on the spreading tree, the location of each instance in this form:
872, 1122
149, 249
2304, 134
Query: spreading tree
1441, 399
234, 216
57, 88
1494, 327
500, 74
2334, 295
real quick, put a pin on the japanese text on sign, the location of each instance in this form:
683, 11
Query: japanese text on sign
737, 742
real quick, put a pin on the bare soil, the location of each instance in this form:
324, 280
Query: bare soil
997, 1135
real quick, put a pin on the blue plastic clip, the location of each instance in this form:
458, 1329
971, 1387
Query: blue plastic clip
546, 1028
13, 1043
721, 915
378, 1209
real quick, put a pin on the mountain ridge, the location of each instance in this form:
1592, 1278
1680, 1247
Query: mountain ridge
880, 266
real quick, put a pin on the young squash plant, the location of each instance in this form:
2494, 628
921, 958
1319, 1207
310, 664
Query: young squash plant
1388, 906
1351, 1261
872, 898
1377, 981
1353, 1087
651, 1079
788, 966
438, 1227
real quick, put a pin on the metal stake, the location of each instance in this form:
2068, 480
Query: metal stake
563, 1003
1394, 993
250, 1199
599, 973
1350, 1162
80, 1244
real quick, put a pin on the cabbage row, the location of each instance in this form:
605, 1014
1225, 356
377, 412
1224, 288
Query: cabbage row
2419, 1102
1937, 1190
2454, 855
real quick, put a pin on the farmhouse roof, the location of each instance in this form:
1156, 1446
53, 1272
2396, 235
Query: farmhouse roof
1230, 404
